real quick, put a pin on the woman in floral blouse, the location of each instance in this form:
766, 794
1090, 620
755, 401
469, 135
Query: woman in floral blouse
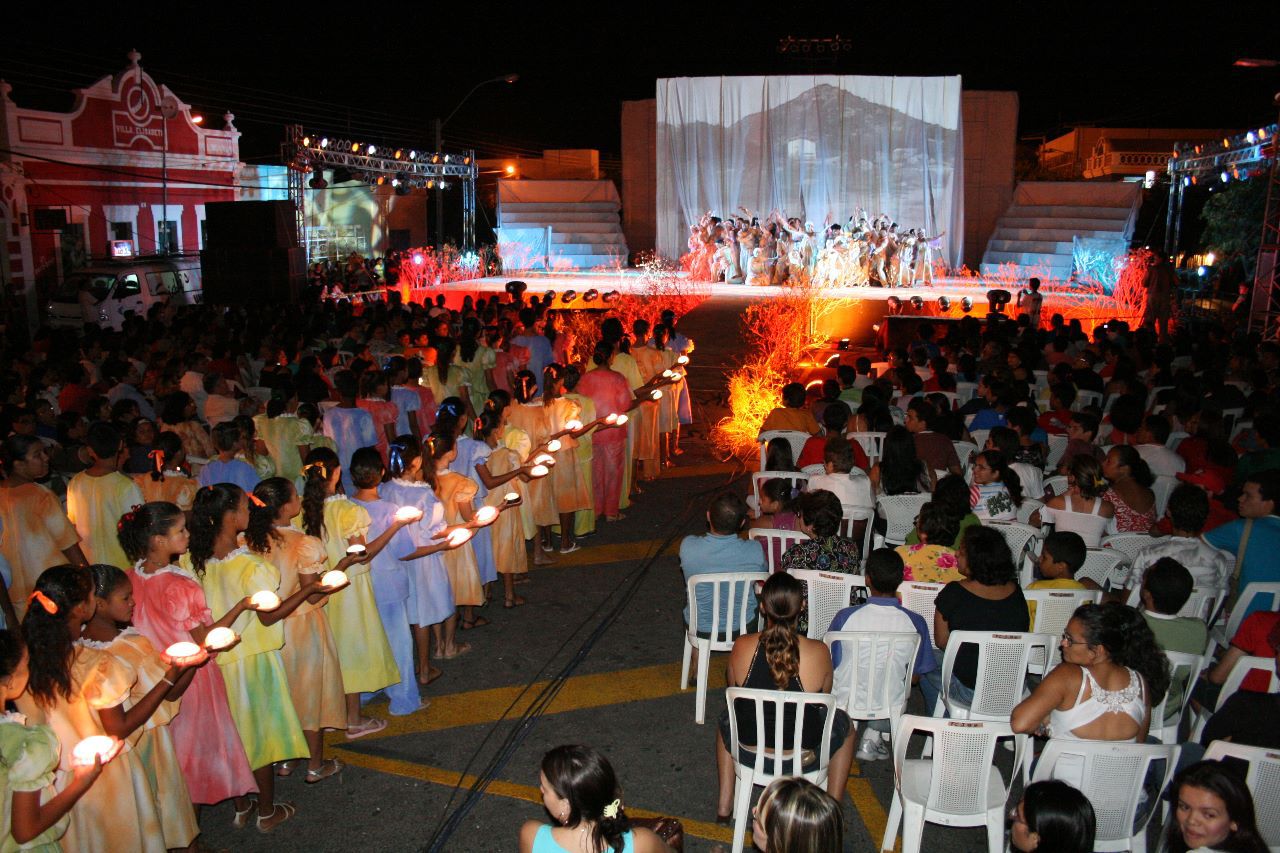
825, 550
926, 561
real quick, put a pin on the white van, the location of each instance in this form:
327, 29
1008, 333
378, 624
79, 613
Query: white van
108, 291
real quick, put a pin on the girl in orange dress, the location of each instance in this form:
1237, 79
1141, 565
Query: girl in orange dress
528, 415
503, 474
168, 481
455, 493
375, 388
572, 492
647, 450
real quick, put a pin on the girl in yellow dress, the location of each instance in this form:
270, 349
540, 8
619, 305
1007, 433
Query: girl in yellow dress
455, 492
81, 692
144, 671
529, 415
33, 814
257, 688
310, 656
648, 443
364, 655
503, 474
288, 437
572, 492
168, 482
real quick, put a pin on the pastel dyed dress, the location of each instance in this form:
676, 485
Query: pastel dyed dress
28, 763
507, 535
173, 487
391, 592
350, 429
454, 490
384, 413
310, 655
118, 811
34, 531
94, 506
443, 388
472, 452
430, 593
572, 492
282, 435
473, 371
363, 652
168, 603
584, 519
152, 742
625, 364
257, 688
531, 418
195, 439
650, 363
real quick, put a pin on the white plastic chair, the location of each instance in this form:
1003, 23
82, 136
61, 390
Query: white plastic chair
953, 399
1184, 669
1257, 589
1240, 427
1054, 609
899, 513
965, 391
1235, 678
775, 543
850, 519
1104, 566
1003, 659
1056, 484
1110, 775
965, 451
1057, 447
770, 764
1231, 416
759, 478
1163, 487
794, 437
1128, 544
1086, 398
1041, 378
959, 786
828, 593
730, 604
1262, 779
980, 437
918, 597
872, 443
1028, 508
1155, 392
873, 681
1175, 438
1016, 535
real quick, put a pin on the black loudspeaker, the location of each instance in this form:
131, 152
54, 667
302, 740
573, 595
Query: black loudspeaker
250, 224
253, 276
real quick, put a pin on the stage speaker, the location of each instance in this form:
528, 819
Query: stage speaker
250, 224
253, 276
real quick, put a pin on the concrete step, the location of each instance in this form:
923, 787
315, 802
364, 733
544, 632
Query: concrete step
586, 262
1049, 211
1059, 235
574, 228
617, 246
1058, 272
559, 216
1027, 259
1050, 247
1074, 224
548, 207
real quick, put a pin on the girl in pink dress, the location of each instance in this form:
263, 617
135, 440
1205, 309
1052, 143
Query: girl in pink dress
375, 388
169, 608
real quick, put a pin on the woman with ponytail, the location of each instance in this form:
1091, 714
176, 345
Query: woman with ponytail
781, 658
80, 692
1081, 509
375, 391
443, 376
1130, 492
170, 607
581, 793
1112, 672
167, 480
257, 688
469, 453
309, 655
364, 655
996, 492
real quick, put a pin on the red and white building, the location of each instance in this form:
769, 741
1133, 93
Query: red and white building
130, 162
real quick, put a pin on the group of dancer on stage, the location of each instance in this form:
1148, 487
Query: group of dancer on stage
864, 251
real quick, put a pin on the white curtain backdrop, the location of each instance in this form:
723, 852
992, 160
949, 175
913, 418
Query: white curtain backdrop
814, 147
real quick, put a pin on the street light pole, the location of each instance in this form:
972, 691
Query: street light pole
168, 110
439, 128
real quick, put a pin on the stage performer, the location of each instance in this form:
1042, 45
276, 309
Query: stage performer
758, 271
611, 393
927, 245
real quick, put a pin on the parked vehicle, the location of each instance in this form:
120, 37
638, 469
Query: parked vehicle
107, 292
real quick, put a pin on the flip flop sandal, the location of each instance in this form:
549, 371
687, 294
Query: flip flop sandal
328, 767
241, 819
289, 811
372, 726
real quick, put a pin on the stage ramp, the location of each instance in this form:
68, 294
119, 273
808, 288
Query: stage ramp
559, 225
1048, 220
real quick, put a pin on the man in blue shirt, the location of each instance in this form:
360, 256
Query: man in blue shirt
536, 343
883, 612
720, 550
1257, 506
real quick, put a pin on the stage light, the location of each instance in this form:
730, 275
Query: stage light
418, 259
197, 119
413, 155
317, 181
306, 142
371, 150
511, 170
568, 296
1252, 137
514, 287
1209, 259
1262, 133
1186, 182
1225, 177
446, 158
549, 296
998, 298
466, 161
1226, 143
431, 184
1202, 271
443, 185
355, 146
435, 158
611, 296
324, 142
1149, 180
382, 179
966, 305
875, 327
944, 304
591, 295
917, 303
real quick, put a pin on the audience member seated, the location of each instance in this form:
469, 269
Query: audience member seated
1061, 555
1213, 482
1257, 636
929, 562
1248, 716
1150, 444
793, 814
1000, 399
841, 478
952, 494
1213, 810
835, 420
1255, 553
1165, 589
825, 550
1030, 477
1081, 509
900, 470
1033, 446
1057, 420
1052, 817
884, 612
934, 448
779, 658
777, 506
1266, 427
1188, 511
996, 492
988, 599
1130, 490
1081, 432
791, 415
1124, 419
778, 455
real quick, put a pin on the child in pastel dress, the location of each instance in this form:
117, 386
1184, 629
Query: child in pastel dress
168, 481
310, 656
502, 473
99, 495
455, 492
33, 815
144, 670
170, 607
257, 688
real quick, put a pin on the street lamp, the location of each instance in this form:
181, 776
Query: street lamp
168, 110
505, 78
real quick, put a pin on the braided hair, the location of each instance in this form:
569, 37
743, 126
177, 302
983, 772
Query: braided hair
781, 602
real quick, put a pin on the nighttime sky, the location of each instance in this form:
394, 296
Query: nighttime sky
384, 77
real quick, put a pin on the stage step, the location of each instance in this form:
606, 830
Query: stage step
1048, 247
567, 248
588, 217
587, 261
1075, 224
583, 234
552, 207
1117, 214
1057, 235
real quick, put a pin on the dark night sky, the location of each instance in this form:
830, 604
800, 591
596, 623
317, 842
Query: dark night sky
380, 74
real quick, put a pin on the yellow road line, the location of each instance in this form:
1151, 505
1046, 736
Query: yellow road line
590, 555
705, 469
868, 805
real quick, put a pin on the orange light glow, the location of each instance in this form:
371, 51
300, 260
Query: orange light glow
511, 169
197, 119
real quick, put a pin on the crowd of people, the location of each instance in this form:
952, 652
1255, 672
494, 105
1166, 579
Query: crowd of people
744, 249
226, 532
1068, 437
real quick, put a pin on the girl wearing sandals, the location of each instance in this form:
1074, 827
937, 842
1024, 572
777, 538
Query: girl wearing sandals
502, 474
309, 655
257, 688
455, 492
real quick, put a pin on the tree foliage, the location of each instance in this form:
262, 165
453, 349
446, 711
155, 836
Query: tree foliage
1233, 219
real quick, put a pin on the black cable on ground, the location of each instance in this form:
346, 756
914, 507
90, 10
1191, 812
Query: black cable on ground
526, 722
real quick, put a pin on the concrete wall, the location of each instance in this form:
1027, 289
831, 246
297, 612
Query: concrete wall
990, 122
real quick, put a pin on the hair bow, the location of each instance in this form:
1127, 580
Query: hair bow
157, 456
611, 811
49, 605
257, 501
317, 466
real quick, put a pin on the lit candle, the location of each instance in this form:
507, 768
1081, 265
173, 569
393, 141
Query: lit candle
670, 374
554, 444
611, 418
539, 471
684, 359
356, 550
408, 513
219, 638
181, 654
544, 459
264, 600
458, 536
622, 420
334, 579
574, 425
511, 497
655, 394
485, 515
95, 746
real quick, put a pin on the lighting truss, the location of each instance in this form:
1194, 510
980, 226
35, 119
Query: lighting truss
1264, 313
